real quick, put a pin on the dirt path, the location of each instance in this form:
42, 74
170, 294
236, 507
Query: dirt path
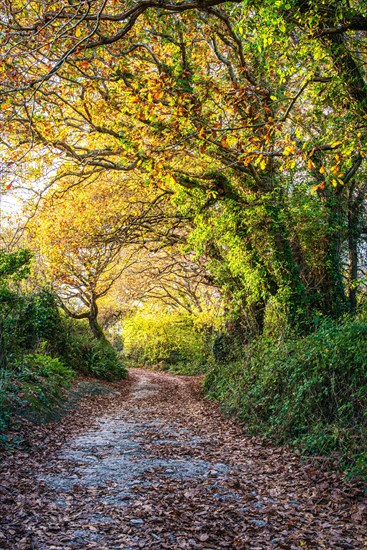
158, 467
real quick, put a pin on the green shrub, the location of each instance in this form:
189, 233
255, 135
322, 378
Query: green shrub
166, 339
89, 356
29, 319
310, 391
44, 321
37, 381
102, 361
34, 319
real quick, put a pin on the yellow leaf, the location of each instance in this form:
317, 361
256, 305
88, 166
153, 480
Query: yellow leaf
289, 150
322, 169
170, 180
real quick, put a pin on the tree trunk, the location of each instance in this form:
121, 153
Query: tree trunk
354, 233
93, 323
289, 263
334, 300
95, 328
353, 270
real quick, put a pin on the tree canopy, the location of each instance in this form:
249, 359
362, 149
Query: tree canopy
241, 124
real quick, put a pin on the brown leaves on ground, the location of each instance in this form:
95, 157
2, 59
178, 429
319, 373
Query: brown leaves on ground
156, 466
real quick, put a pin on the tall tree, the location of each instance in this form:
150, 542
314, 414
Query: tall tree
69, 233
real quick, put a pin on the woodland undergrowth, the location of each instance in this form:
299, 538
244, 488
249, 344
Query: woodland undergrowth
307, 391
42, 349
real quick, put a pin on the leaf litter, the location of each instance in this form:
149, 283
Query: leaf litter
151, 464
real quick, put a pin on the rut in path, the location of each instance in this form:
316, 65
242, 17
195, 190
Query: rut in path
162, 468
